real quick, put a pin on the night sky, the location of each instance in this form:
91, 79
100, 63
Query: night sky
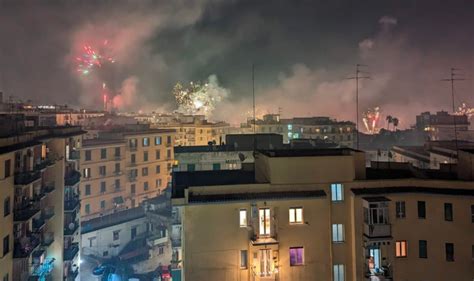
302, 51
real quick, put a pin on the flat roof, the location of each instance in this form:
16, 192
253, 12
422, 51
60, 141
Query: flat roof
203, 148
308, 152
99, 141
150, 131
112, 219
246, 196
412, 189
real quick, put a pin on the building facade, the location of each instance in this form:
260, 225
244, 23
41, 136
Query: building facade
321, 214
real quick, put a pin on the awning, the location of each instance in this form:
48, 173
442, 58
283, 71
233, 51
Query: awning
118, 200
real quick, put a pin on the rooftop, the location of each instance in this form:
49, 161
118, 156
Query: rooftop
112, 219
308, 152
203, 148
255, 196
100, 141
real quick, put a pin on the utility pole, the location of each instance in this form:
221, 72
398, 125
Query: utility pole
455, 76
359, 75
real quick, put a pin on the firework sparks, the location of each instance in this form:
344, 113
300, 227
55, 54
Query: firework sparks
464, 109
371, 119
93, 58
199, 98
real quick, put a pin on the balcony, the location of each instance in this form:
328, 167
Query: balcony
74, 155
71, 229
377, 230
43, 270
72, 178
25, 246
71, 252
27, 177
132, 148
38, 224
132, 178
25, 211
49, 188
175, 243
47, 213
157, 239
70, 205
72, 274
48, 239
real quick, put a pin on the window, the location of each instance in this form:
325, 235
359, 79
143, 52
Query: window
243, 259
117, 168
421, 209
157, 169
145, 156
132, 143
6, 245
296, 256
8, 165
103, 153
423, 249
191, 167
264, 221
145, 171
88, 155
401, 249
400, 209
6, 277
296, 215
133, 232
161, 250
117, 152
132, 189
337, 192
337, 233
168, 166
157, 140
102, 170
448, 212
87, 189
133, 158
168, 139
158, 183
86, 172
93, 242
6, 207
145, 186
116, 235
87, 209
105, 253
146, 141
216, 166
338, 272
168, 153
103, 189
117, 184
449, 252
243, 217
157, 155
102, 204
472, 213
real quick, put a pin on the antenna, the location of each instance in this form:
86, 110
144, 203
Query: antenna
455, 76
254, 117
358, 77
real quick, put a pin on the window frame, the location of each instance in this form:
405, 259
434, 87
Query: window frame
400, 210
243, 213
103, 153
244, 257
421, 209
293, 215
337, 192
87, 190
449, 255
337, 232
339, 272
422, 249
448, 212
296, 262
401, 249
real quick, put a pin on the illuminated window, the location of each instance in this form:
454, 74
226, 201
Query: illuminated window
146, 141
296, 215
86, 172
337, 233
337, 192
401, 249
243, 218
243, 259
290, 127
400, 209
296, 256
449, 251
264, 221
157, 140
448, 212
338, 272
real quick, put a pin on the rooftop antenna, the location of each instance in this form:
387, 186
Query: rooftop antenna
455, 76
254, 118
359, 75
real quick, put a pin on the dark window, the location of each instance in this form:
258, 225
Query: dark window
102, 171
296, 256
6, 245
191, 167
145, 186
6, 277
400, 209
158, 170
449, 252
117, 184
145, 156
117, 152
134, 232
8, 166
87, 189
168, 153
102, 204
133, 158
105, 253
103, 188
132, 189
6, 207
423, 249
448, 212
216, 166
88, 155
157, 155
168, 139
243, 259
103, 153
472, 213
145, 171
421, 209
116, 235
87, 208
117, 168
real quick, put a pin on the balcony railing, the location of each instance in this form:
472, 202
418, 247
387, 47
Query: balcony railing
25, 245
25, 211
71, 251
377, 230
48, 239
72, 178
38, 223
72, 274
48, 213
43, 270
43, 164
71, 204
71, 228
27, 177
175, 242
74, 155
48, 188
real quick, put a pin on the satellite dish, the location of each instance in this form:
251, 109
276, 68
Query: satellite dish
242, 157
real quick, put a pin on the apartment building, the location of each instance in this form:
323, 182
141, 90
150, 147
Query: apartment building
444, 126
198, 132
39, 179
123, 167
321, 214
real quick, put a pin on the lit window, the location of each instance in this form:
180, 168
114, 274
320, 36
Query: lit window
87, 173
401, 249
337, 233
264, 221
337, 192
338, 272
243, 259
296, 215
296, 256
243, 218
146, 141
157, 140
400, 209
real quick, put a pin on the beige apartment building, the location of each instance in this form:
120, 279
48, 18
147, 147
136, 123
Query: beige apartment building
39, 182
199, 132
322, 215
121, 168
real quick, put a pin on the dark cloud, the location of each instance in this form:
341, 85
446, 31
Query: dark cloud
302, 52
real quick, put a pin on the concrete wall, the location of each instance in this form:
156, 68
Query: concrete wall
6, 183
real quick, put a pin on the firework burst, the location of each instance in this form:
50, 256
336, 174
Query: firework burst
464, 109
371, 119
91, 58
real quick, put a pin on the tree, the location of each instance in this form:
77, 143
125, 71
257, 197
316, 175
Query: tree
389, 119
395, 123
